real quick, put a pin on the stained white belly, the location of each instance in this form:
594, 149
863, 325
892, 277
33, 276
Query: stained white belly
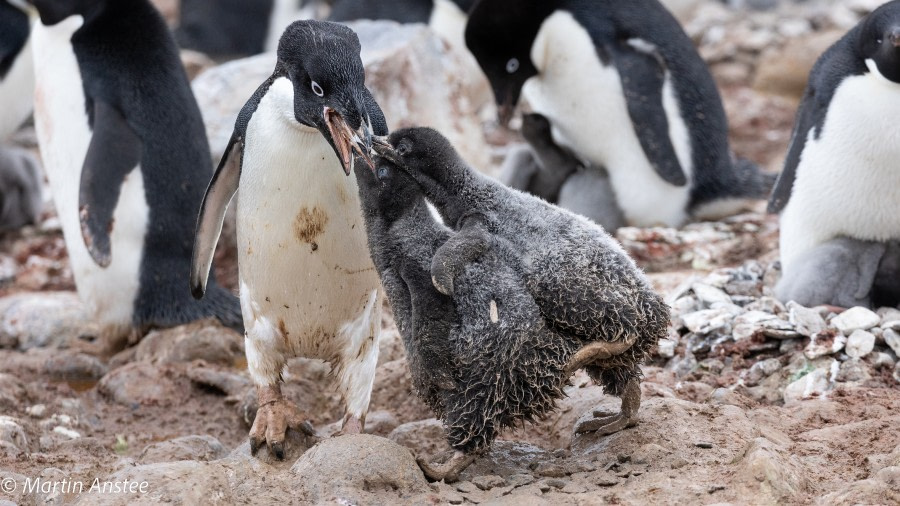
16, 90
584, 101
302, 252
848, 181
64, 136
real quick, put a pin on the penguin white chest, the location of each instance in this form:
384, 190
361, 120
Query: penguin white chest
64, 135
848, 180
585, 102
307, 280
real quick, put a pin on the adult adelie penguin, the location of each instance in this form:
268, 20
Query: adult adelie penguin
308, 285
16, 66
624, 89
840, 178
126, 154
446, 17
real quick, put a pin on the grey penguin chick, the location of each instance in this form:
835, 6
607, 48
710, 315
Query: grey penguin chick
20, 189
483, 359
127, 158
625, 89
586, 287
308, 286
840, 177
845, 272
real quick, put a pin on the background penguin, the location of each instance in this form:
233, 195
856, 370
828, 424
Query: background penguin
625, 89
446, 17
484, 359
20, 189
16, 66
308, 286
126, 155
585, 285
840, 178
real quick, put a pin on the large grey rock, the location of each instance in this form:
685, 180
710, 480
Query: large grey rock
44, 319
202, 340
355, 466
185, 482
142, 383
416, 78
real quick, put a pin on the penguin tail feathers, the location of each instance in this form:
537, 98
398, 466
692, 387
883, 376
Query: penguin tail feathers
752, 181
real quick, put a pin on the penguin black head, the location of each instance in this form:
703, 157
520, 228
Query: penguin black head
500, 34
55, 11
322, 61
880, 40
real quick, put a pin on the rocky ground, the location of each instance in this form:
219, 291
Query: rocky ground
749, 401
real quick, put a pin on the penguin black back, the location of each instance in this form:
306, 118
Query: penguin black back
14, 28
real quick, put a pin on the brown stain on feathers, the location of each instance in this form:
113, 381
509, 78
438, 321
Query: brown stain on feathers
309, 223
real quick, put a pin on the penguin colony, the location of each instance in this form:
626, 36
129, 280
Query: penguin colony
498, 307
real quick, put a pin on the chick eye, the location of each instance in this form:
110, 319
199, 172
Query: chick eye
317, 89
512, 65
382, 173
403, 148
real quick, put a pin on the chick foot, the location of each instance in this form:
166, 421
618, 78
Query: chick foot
448, 471
603, 423
274, 417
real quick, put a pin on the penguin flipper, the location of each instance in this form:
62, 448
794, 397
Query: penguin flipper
376, 115
114, 152
643, 76
221, 190
810, 114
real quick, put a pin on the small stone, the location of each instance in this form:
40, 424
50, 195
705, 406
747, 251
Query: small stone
706, 321
488, 482
859, 344
11, 432
710, 294
892, 325
36, 411
69, 433
806, 321
853, 370
684, 305
769, 305
557, 483
573, 488
813, 384
454, 498
881, 360
888, 314
466, 487
761, 370
892, 339
606, 480
824, 343
855, 319
550, 470
197, 447
666, 348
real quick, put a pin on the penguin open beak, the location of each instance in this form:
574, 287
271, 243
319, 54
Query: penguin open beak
347, 143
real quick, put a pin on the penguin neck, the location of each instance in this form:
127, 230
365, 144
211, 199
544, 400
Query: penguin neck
460, 192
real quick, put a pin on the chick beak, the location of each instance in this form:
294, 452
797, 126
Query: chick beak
347, 143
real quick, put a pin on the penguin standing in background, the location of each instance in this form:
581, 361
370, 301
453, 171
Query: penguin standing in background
308, 285
625, 89
16, 66
446, 17
127, 159
841, 177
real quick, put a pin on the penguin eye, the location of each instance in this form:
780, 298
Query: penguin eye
512, 65
383, 172
318, 89
403, 148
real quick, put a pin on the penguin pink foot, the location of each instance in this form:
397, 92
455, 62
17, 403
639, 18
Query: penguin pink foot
605, 423
352, 425
448, 471
274, 417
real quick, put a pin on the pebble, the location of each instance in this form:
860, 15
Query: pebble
709, 295
69, 433
761, 370
824, 343
860, 343
573, 488
813, 384
550, 470
36, 411
881, 360
892, 339
488, 482
806, 321
855, 319
466, 487
707, 320
666, 348
11, 432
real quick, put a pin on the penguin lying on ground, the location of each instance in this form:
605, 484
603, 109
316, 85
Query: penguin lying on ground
553, 173
586, 287
20, 189
308, 285
16, 66
484, 359
624, 89
126, 155
840, 178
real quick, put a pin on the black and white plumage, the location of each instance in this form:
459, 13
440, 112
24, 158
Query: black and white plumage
840, 178
308, 286
585, 286
16, 66
126, 155
625, 89
483, 359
